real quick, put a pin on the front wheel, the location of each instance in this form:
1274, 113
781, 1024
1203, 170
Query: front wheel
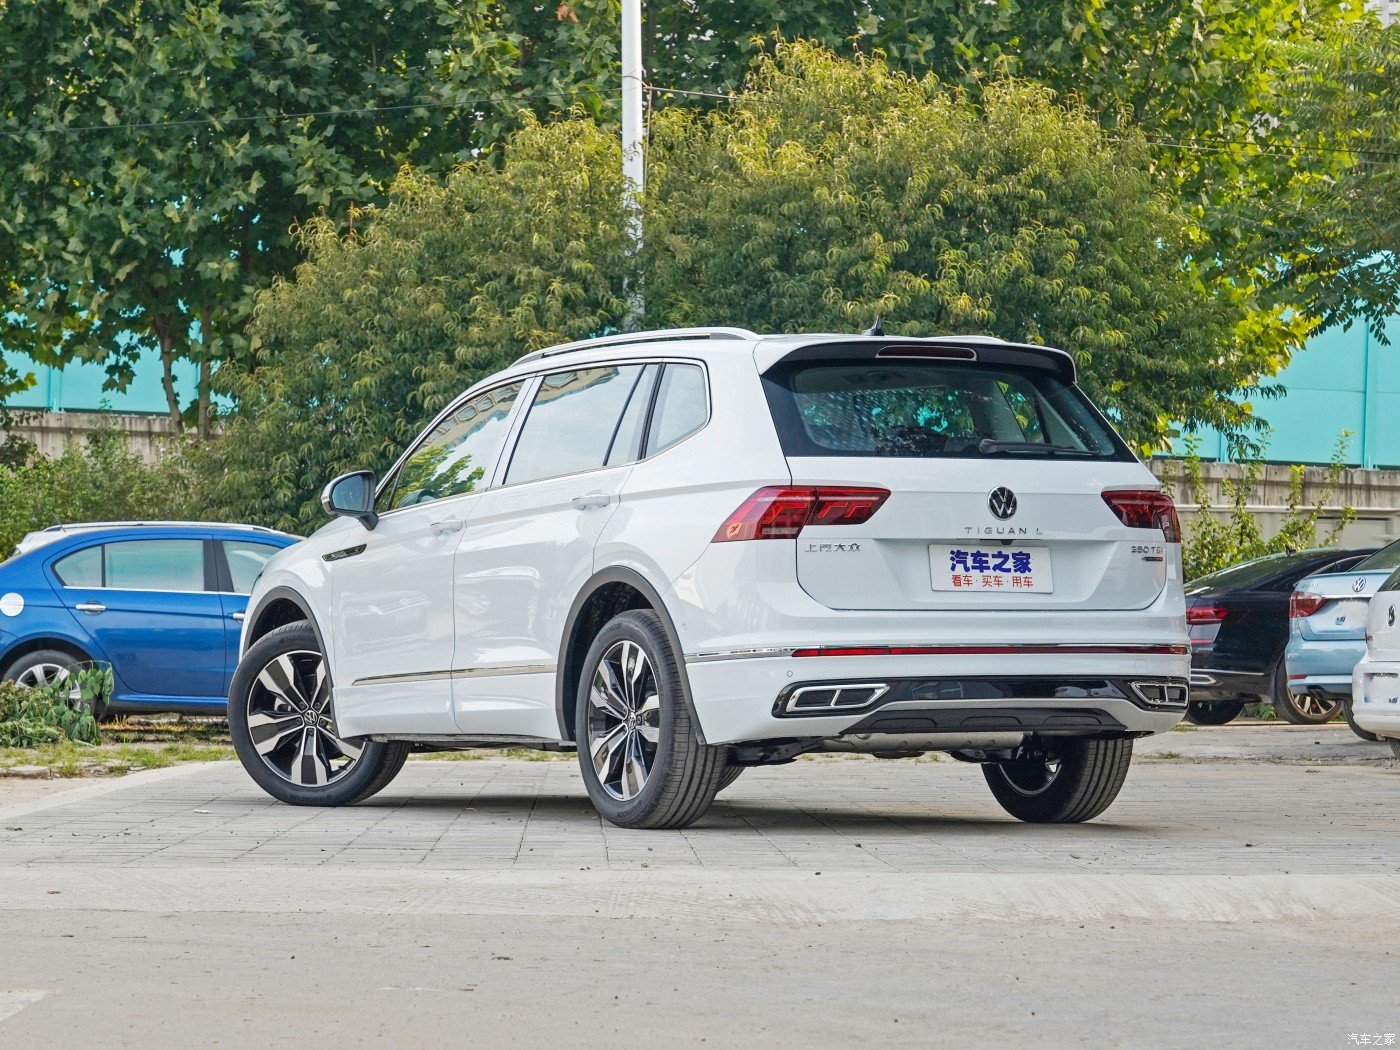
639, 751
1061, 782
281, 718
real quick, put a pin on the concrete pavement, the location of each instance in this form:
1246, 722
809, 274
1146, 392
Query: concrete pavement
819, 903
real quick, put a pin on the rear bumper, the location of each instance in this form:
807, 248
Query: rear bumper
1376, 710
1322, 666
749, 698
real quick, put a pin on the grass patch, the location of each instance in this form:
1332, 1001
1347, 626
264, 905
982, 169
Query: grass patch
69, 759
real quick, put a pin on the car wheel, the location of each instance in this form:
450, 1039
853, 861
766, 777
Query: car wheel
1395, 747
1063, 782
641, 756
46, 667
1364, 734
282, 721
1302, 709
1214, 713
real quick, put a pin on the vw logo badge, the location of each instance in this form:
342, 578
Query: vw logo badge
1359, 584
1002, 502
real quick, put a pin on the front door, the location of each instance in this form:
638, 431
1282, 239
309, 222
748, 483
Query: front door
392, 629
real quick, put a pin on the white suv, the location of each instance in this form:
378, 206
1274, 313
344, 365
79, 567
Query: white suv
690, 552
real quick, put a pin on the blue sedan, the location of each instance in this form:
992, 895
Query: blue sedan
162, 602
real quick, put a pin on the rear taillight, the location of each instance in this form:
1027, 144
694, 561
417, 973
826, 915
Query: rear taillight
1145, 509
781, 512
1200, 615
1301, 604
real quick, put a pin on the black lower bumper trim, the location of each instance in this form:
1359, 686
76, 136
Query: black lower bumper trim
989, 720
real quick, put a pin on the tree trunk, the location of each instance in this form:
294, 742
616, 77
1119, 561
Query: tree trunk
165, 335
206, 373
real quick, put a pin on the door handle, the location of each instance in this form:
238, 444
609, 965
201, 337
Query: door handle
446, 526
92, 608
239, 616
592, 500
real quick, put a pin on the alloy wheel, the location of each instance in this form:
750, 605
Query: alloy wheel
289, 721
41, 675
1313, 706
624, 720
1032, 775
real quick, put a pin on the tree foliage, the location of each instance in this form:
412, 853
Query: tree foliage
154, 155
450, 280
833, 191
1334, 239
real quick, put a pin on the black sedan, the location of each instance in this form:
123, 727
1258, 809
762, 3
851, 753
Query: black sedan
1238, 621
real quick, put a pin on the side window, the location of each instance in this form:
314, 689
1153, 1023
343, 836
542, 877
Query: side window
155, 565
627, 443
572, 423
681, 407
245, 562
81, 568
457, 456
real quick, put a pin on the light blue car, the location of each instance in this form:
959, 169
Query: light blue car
1327, 633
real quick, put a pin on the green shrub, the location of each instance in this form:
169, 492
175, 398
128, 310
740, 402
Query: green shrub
100, 480
56, 712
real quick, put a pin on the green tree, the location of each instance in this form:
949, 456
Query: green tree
1334, 239
154, 155
833, 191
450, 280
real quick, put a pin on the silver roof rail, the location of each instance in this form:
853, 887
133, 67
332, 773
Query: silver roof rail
663, 335
77, 525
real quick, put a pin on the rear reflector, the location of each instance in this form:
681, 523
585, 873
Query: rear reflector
782, 512
1204, 614
1301, 604
1145, 509
1147, 649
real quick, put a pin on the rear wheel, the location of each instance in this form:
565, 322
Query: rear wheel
731, 774
1364, 734
1395, 747
1302, 709
46, 667
640, 754
282, 720
1061, 782
1214, 713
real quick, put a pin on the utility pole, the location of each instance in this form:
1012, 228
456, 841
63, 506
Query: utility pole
633, 164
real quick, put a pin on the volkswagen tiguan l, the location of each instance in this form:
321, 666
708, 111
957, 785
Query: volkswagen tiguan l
691, 552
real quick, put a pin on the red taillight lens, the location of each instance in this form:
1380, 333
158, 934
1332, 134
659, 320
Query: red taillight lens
1302, 604
781, 512
1145, 509
1197, 615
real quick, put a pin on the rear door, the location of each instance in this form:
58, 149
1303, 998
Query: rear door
996, 477
528, 549
156, 613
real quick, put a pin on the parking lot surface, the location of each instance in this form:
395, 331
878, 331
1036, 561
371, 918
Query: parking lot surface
820, 902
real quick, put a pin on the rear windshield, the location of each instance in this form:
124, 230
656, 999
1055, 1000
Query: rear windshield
930, 410
1387, 559
1251, 573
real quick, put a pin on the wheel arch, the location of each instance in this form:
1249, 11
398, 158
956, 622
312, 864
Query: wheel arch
279, 607
24, 646
609, 592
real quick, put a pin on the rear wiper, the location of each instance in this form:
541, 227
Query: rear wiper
991, 446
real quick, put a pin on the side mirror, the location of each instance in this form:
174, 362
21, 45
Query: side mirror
352, 496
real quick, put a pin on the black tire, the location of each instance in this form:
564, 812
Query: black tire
1302, 709
1364, 734
668, 783
1084, 784
1213, 713
731, 774
1395, 747
359, 777
30, 664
